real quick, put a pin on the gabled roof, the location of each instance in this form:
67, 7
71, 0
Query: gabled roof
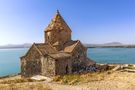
45, 48
42, 48
56, 43
57, 23
70, 46
60, 55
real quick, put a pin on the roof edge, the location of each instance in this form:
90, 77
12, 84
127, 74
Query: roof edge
37, 49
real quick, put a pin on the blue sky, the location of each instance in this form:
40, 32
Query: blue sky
92, 21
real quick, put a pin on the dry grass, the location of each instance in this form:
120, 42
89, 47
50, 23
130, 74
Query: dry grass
25, 86
73, 79
22, 80
130, 67
90, 81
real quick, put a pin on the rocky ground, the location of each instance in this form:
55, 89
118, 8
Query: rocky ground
107, 80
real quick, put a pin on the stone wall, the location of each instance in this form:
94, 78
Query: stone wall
52, 67
30, 67
48, 66
63, 66
60, 36
79, 58
32, 54
30, 63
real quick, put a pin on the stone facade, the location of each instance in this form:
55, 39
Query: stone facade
57, 32
58, 55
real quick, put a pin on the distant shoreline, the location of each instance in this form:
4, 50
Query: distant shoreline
86, 46
14, 47
111, 46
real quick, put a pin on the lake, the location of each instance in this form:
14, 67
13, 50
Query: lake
10, 58
112, 55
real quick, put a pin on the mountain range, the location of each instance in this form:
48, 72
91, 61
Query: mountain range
110, 44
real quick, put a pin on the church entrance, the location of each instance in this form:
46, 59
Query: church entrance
67, 69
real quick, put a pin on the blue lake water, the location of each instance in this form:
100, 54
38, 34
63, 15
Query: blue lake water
10, 58
112, 55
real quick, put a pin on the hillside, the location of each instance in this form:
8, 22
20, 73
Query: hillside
99, 81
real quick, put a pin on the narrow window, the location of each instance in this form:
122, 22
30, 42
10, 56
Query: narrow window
48, 37
67, 69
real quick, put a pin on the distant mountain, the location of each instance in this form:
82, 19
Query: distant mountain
111, 44
26, 45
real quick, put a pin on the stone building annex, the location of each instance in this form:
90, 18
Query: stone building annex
58, 55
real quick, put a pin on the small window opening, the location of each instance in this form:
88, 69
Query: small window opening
67, 69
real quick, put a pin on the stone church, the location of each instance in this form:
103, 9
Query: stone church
58, 55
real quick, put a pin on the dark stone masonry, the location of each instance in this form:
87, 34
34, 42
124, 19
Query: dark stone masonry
58, 55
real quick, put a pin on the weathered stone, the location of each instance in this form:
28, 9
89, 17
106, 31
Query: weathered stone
58, 55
